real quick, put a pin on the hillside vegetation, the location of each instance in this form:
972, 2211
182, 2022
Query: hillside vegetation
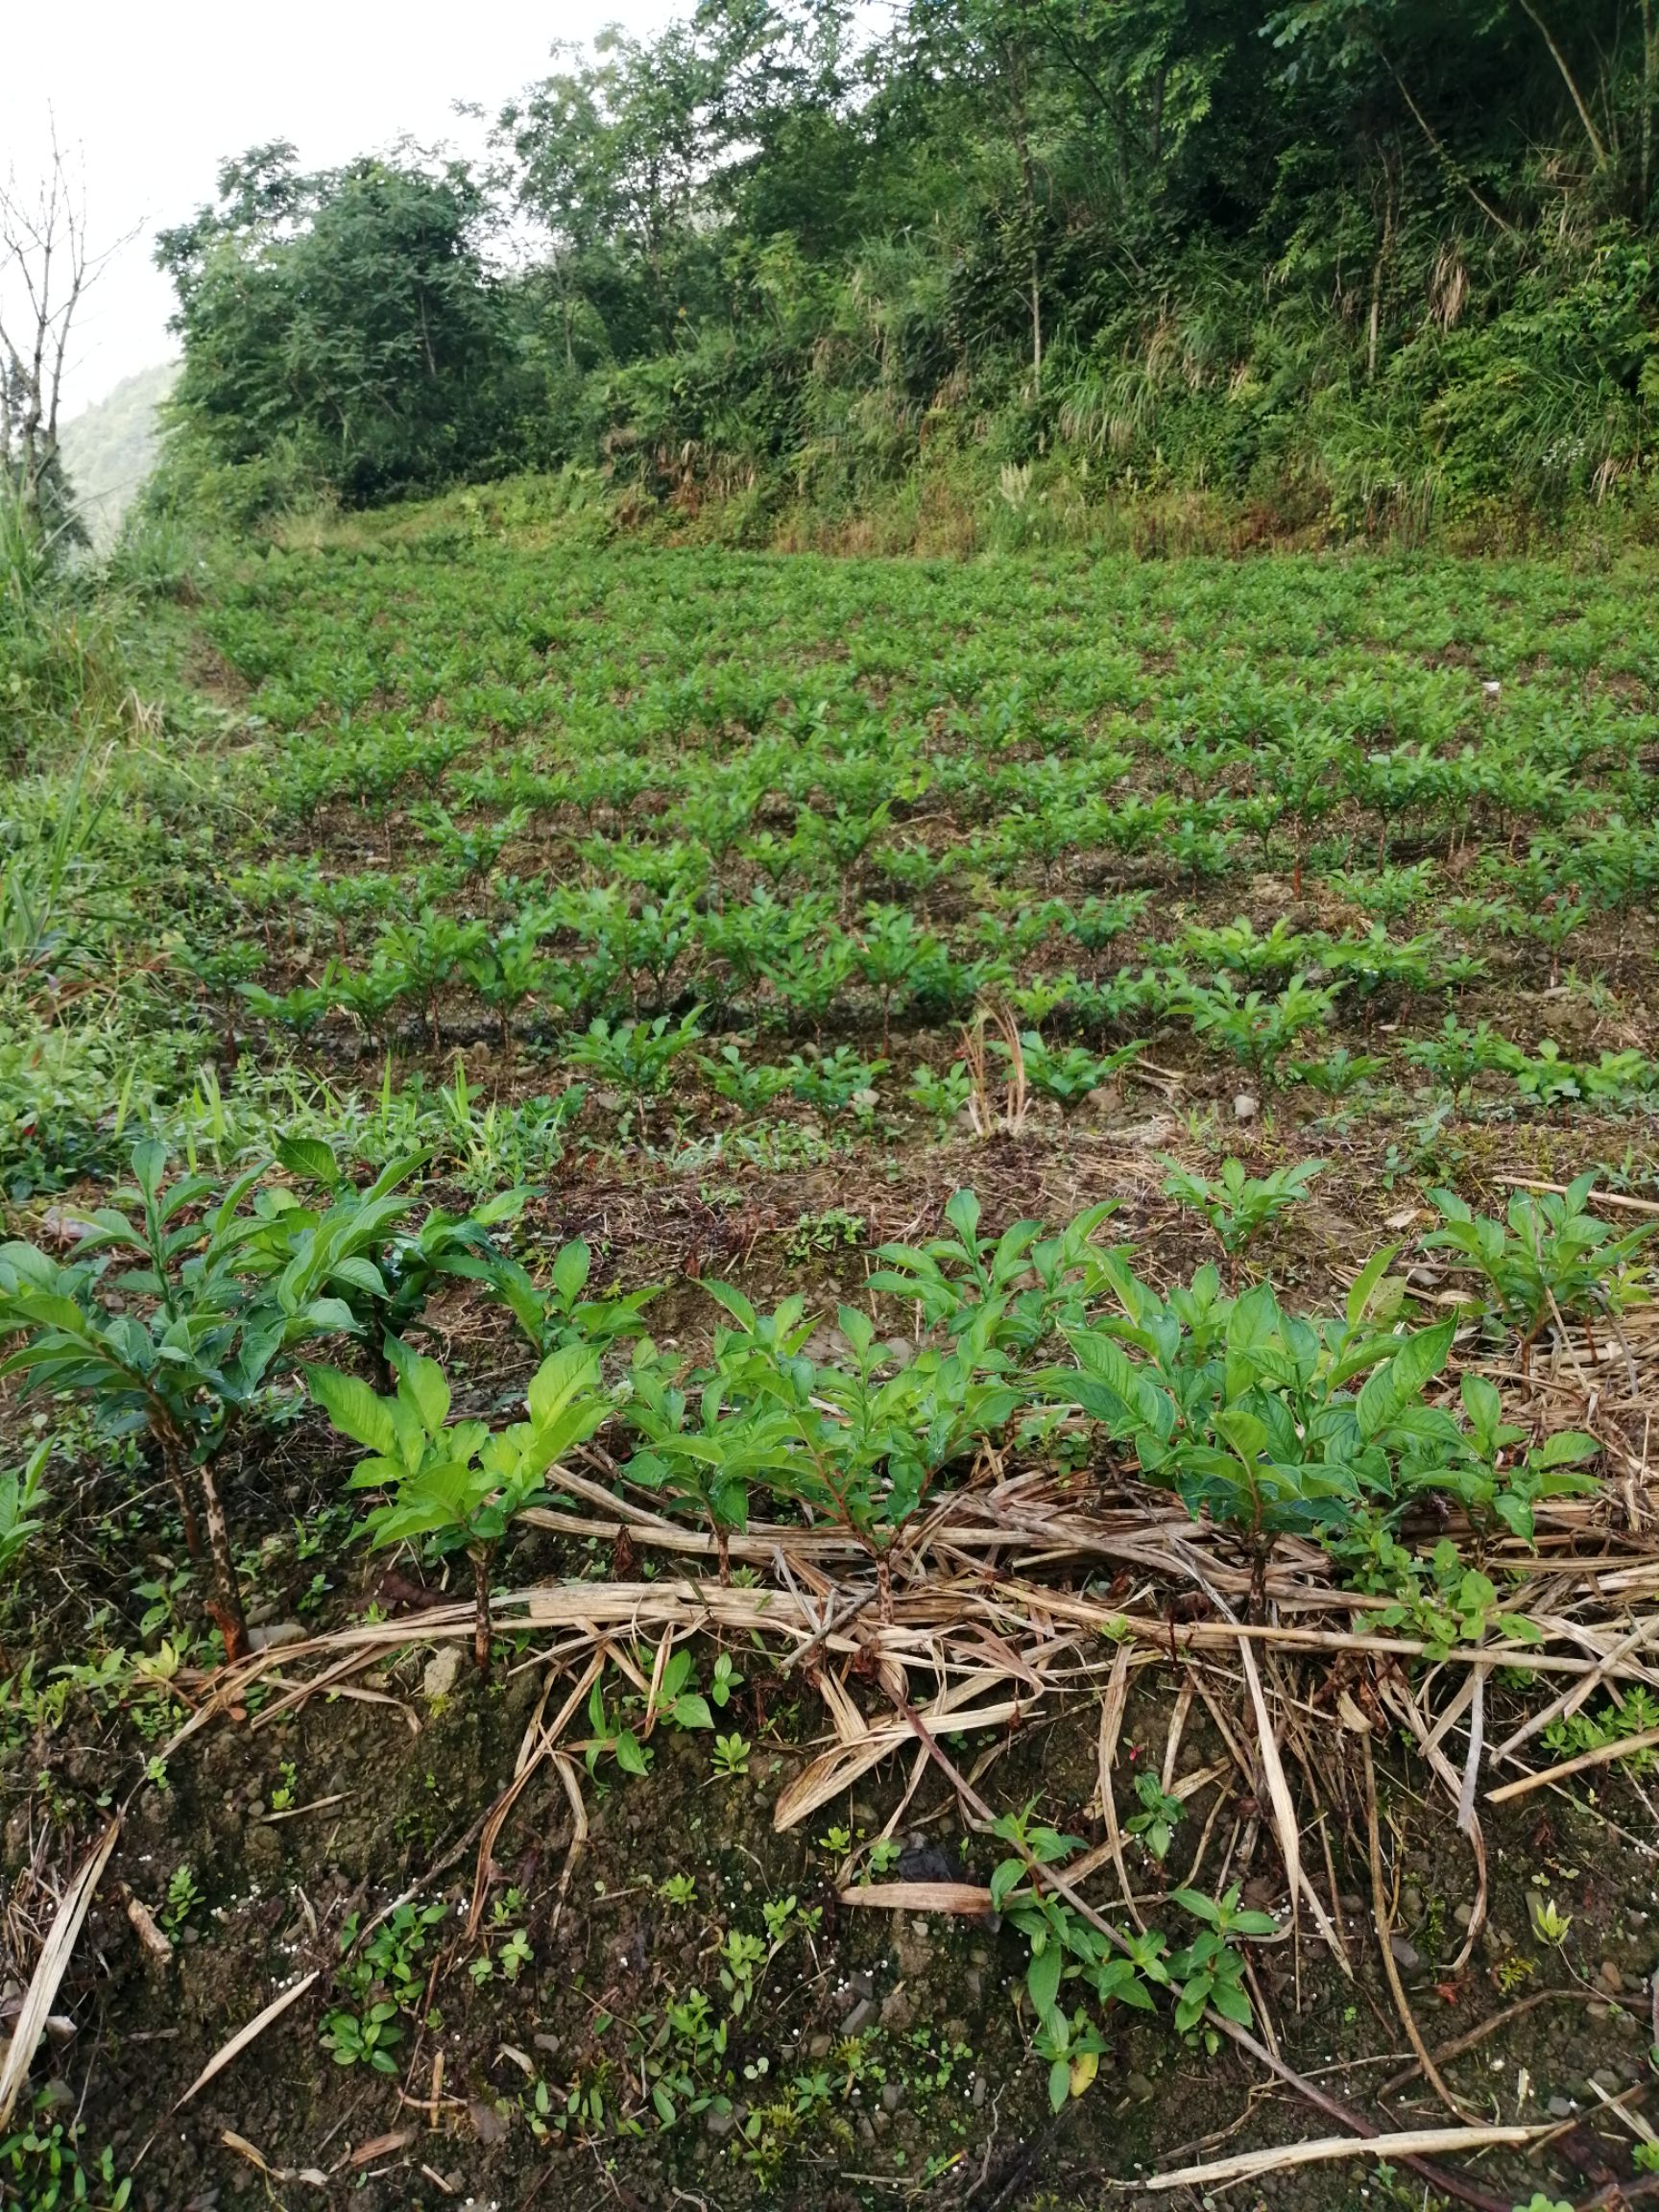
817, 1372
1335, 266
109, 449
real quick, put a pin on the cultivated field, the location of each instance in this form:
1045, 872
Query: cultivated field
895, 1318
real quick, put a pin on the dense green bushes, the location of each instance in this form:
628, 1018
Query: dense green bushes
1365, 266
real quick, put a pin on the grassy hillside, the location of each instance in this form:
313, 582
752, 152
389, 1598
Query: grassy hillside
109, 449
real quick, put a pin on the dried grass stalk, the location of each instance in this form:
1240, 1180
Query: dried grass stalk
228, 2053
49, 1969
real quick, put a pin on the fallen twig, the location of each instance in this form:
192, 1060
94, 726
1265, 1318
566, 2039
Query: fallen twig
1409, 2143
1604, 1755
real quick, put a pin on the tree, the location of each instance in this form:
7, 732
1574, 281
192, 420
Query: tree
46, 266
344, 323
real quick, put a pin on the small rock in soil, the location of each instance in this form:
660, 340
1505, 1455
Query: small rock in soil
442, 1670
274, 1634
262, 1854
862, 1984
860, 2017
1244, 1107
924, 1861
1406, 1957
1559, 2108
1463, 1914
892, 2096
1611, 1978
720, 2123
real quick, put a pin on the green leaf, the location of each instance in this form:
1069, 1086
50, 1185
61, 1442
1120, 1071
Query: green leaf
428, 1388
728, 1295
355, 1409
1231, 2002
1392, 1388
1565, 1449
360, 1274
149, 1164
308, 1158
322, 1317
1059, 2083
1366, 1284
629, 1753
1005, 1878
1042, 1976
1190, 2006
570, 1270
1200, 1907
963, 1215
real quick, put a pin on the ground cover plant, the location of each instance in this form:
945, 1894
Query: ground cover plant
832, 1381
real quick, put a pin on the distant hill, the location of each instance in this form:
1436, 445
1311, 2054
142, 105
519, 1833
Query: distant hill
109, 449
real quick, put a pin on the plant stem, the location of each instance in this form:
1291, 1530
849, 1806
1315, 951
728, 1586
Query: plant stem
227, 1602
481, 1624
173, 1467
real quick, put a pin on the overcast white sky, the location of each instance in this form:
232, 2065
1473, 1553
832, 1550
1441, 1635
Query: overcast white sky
159, 93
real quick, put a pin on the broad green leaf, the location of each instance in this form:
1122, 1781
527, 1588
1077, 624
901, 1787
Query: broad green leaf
354, 1408
428, 1389
309, 1158
1366, 1283
1392, 1388
570, 1270
559, 1380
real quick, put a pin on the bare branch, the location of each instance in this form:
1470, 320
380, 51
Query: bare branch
46, 267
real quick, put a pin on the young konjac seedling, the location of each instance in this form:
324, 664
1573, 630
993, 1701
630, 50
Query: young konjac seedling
207, 1308
458, 1482
556, 1313
1549, 1257
1237, 1205
21, 1498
